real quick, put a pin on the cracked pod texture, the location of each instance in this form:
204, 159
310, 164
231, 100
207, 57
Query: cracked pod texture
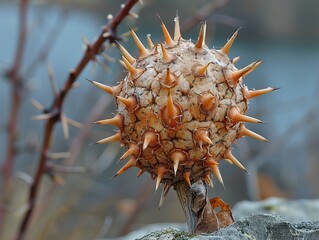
180, 108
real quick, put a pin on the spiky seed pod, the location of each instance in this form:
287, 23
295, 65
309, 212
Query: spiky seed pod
180, 108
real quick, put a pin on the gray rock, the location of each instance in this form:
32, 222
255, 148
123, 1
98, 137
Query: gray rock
291, 210
259, 227
271, 219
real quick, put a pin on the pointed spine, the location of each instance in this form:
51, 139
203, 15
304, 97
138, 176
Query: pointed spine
229, 44
130, 163
207, 102
235, 116
186, 176
164, 194
177, 29
160, 172
228, 155
134, 150
200, 43
246, 70
149, 41
135, 72
249, 94
150, 139
177, 156
168, 39
105, 88
117, 120
141, 48
114, 138
170, 79
209, 181
130, 102
201, 137
200, 70
166, 57
246, 132
126, 54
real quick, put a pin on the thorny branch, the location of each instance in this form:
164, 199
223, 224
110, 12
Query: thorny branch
13, 74
108, 33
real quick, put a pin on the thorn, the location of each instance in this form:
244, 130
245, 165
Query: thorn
116, 137
236, 75
201, 37
126, 54
228, 155
140, 172
130, 163
216, 171
209, 181
105, 88
163, 195
149, 41
141, 48
177, 156
135, 72
45, 116
200, 136
166, 57
133, 15
130, 102
168, 39
207, 102
123, 64
200, 70
229, 44
134, 150
65, 126
37, 105
249, 94
169, 80
177, 30
117, 120
235, 60
234, 115
150, 139
187, 177
246, 132
74, 123
160, 172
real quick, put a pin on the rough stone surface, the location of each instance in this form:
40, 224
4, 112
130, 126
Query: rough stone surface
299, 219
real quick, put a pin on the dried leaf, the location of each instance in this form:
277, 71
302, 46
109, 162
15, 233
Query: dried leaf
225, 216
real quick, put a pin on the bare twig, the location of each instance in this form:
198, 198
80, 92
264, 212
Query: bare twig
13, 75
108, 33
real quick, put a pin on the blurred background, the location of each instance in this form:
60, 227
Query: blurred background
81, 200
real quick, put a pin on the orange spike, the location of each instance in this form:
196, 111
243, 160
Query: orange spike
187, 177
201, 37
169, 80
208, 180
141, 48
207, 102
171, 110
150, 139
200, 136
130, 102
249, 94
245, 71
130, 163
135, 72
106, 88
228, 155
126, 54
229, 43
116, 137
117, 120
149, 41
134, 150
246, 132
164, 194
235, 60
177, 156
177, 30
123, 64
200, 70
160, 172
140, 172
168, 39
235, 116
166, 57
216, 171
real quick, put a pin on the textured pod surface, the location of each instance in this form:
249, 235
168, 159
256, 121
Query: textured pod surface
180, 108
